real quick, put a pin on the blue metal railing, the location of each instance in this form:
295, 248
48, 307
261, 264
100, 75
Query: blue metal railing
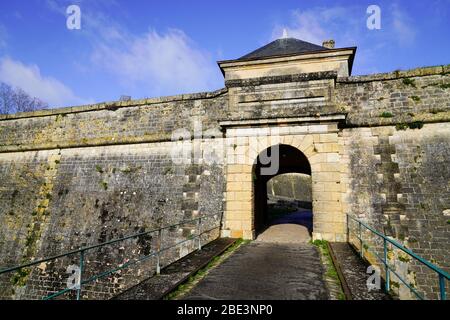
156, 253
442, 275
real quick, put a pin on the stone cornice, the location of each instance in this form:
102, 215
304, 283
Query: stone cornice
278, 121
282, 79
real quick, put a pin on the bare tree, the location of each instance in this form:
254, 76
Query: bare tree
14, 100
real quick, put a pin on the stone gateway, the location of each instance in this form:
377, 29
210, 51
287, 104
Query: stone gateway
376, 147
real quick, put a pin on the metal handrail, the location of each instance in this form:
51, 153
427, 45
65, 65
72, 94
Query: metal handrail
441, 273
83, 250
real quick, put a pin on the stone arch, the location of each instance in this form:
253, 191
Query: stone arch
322, 149
289, 160
304, 143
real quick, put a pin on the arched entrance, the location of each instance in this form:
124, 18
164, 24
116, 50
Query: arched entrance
290, 160
317, 153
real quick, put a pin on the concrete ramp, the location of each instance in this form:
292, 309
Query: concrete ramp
261, 270
285, 233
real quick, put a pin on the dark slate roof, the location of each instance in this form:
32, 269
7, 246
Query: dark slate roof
284, 46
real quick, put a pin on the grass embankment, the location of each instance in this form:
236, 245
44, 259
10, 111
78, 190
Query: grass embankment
331, 274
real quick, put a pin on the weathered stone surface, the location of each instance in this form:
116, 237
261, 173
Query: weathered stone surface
84, 197
291, 185
399, 185
157, 287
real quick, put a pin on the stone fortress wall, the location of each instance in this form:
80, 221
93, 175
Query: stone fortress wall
378, 146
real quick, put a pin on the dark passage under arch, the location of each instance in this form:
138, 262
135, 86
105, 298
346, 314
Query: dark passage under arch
291, 160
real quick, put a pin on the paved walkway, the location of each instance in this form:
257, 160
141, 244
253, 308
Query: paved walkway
285, 233
293, 227
266, 270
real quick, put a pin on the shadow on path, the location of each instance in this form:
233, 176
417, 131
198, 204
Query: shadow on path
302, 217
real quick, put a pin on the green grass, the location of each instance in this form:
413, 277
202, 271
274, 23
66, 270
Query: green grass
331, 271
386, 114
409, 82
20, 277
412, 125
440, 85
404, 258
416, 125
104, 184
415, 98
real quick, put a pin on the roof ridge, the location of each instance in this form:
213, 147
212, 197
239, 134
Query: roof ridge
283, 46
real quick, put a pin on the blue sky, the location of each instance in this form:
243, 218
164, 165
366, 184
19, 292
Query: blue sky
154, 48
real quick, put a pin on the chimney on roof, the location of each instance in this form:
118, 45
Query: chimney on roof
328, 44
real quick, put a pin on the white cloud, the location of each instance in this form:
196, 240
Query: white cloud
153, 62
166, 63
305, 26
318, 24
30, 79
402, 26
347, 26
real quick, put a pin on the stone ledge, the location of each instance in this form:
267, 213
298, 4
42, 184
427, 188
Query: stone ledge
399, 74
114, 105
282, 79
276, 121
376, 121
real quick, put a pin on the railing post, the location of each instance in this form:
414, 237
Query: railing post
387, 284
199, 224
348, 227
158, 248
80, 279
360, 240
443, 294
